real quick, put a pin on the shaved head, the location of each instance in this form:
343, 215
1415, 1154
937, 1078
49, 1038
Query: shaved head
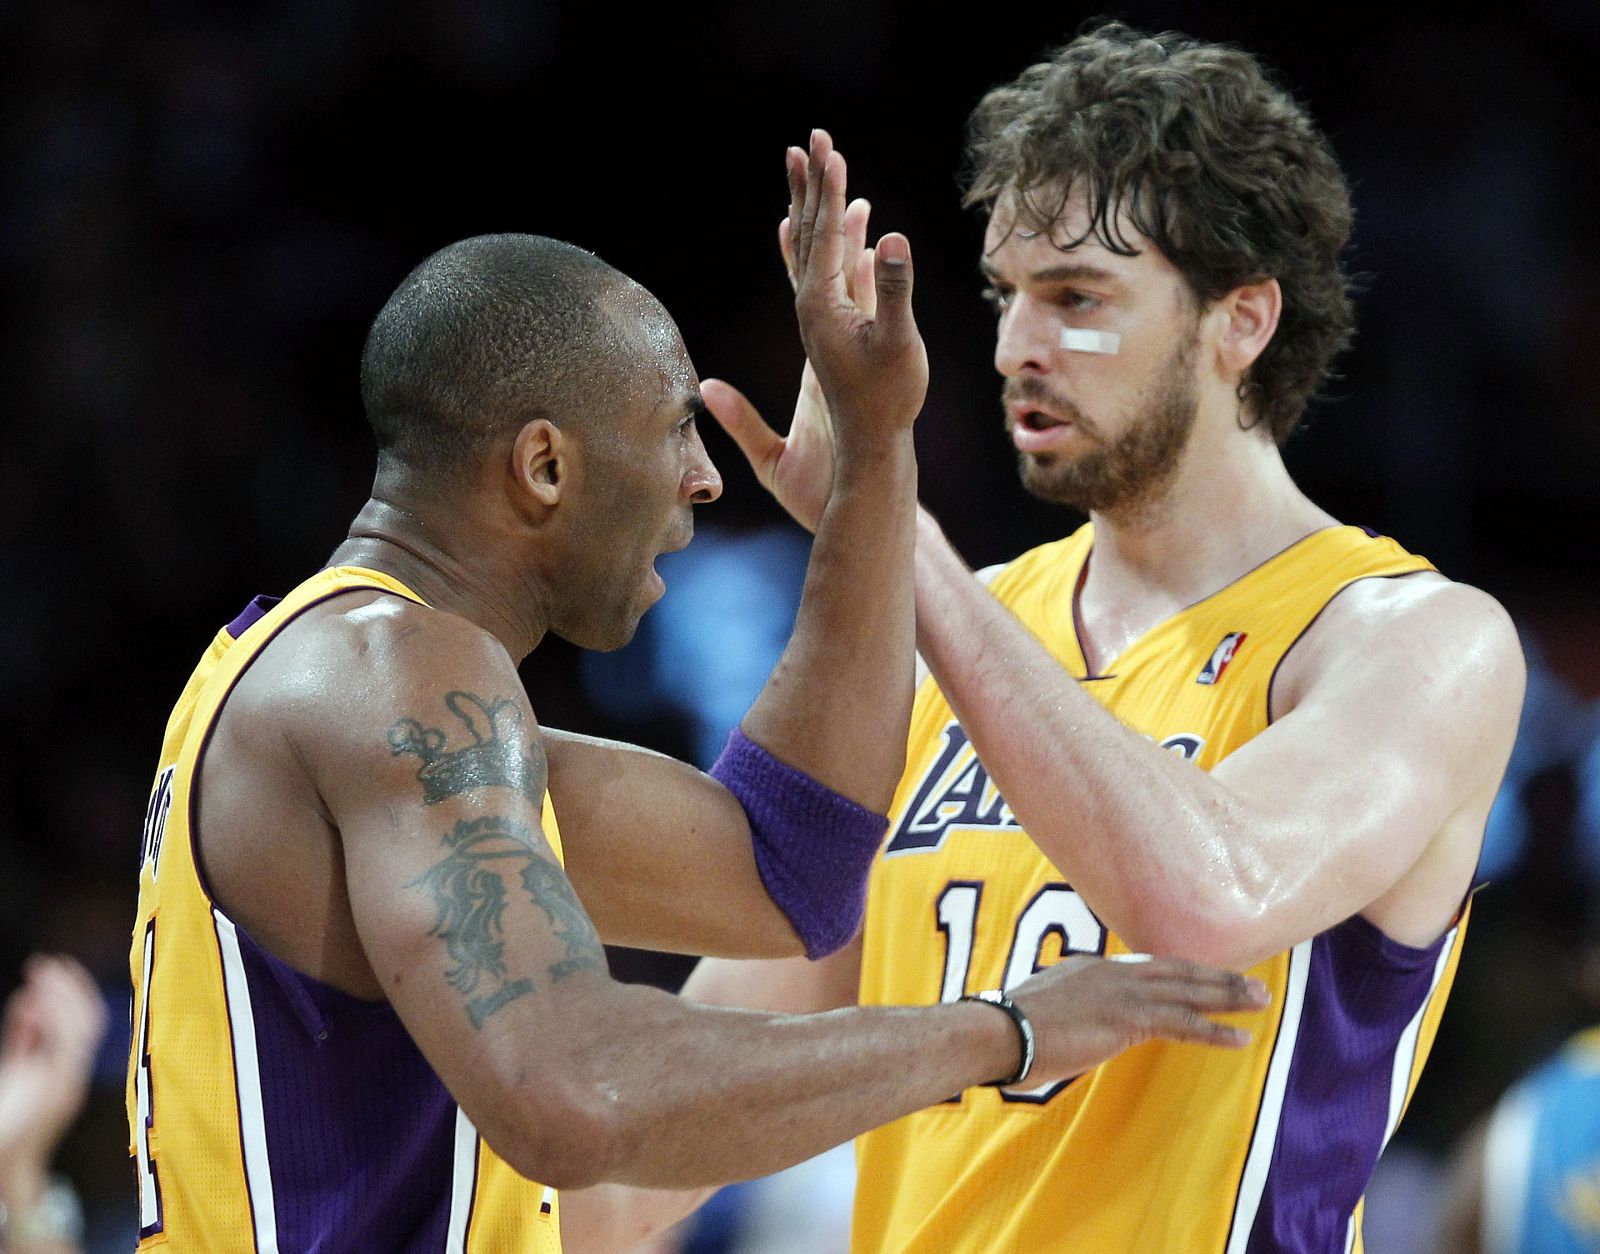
492, 333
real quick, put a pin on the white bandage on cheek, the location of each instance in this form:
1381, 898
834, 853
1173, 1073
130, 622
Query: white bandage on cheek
1080, 341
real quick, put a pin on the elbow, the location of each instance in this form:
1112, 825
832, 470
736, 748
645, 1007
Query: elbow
565, 1142
1220, 915
1226, 933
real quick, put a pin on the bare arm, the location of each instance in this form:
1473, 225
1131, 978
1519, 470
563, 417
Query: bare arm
479, 942
1399, 708
475, 935
839, 700
610, 1218
661, 853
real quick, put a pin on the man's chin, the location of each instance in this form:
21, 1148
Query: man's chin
1047, 477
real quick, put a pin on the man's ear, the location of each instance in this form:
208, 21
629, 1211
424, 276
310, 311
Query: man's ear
541, 457
1250, 317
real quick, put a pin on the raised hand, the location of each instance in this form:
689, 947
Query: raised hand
846, 278
1085, 1009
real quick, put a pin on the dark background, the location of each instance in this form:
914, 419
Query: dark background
201, 208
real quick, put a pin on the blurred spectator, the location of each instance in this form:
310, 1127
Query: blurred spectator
52, 1027
1526, 1179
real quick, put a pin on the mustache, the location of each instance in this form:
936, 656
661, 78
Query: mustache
1032, 390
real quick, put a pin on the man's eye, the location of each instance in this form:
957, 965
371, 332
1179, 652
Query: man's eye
997, 298
1080, 302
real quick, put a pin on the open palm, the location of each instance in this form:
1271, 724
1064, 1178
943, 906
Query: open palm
798, 468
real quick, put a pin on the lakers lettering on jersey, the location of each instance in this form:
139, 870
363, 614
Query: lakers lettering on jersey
269, 1111
1166, 1147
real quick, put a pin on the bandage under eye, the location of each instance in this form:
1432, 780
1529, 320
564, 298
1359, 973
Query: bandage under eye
1080, 341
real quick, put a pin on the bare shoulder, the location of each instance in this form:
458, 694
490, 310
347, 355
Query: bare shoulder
1420, 636
368, 647
367, 669
394, 638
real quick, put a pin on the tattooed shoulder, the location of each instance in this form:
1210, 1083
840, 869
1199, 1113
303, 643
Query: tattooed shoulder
496, 757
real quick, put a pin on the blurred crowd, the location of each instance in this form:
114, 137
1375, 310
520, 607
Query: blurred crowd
202, 206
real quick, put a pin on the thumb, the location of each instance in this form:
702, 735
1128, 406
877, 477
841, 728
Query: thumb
892, 279
761, 445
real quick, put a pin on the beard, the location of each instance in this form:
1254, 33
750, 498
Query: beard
1126, 475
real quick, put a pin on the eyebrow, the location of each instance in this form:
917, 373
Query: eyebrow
693, 407
1066, 273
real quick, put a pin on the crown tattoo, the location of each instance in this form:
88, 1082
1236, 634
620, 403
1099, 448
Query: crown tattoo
495, 756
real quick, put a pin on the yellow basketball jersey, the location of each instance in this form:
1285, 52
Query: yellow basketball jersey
1166, 1149
269, 1111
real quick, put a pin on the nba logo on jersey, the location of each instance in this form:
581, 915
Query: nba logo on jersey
1220, 657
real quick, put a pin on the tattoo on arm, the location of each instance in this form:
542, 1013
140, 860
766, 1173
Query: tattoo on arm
552, 892
469, 898
495, 756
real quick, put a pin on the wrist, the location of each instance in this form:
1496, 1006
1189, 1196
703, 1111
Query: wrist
866, 444
884, 473
1022, 1035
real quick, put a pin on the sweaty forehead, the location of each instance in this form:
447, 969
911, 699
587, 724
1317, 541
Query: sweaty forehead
662, 369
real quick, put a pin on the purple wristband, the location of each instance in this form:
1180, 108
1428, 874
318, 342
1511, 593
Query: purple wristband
813, 847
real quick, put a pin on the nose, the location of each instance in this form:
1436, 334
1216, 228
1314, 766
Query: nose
1023, 337
701, 483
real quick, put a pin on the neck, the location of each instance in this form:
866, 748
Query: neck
1229, 507
447, 563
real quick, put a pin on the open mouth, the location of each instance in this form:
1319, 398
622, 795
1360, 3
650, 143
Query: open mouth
1035, 431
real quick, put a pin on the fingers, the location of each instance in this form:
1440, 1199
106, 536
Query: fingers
825, 266
806, 174
795, 166
816, 234
1211, 988
892, 283
1183, 993
786, 247
734, 413
1185, 1023
859, 258
807, 234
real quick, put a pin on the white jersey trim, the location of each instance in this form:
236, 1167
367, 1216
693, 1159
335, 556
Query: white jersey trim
247, 1078
463, 1183
1258, 1161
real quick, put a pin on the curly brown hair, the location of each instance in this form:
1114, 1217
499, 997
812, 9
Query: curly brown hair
1198, 150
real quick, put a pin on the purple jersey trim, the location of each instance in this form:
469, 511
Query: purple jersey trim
1362, 993
360, 1131
251, 615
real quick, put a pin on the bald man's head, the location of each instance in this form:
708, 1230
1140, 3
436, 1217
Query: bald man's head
487, 335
